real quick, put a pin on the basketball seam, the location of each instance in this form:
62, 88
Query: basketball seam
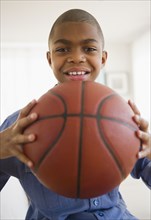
117, 120
80, 142
107, 145
58, 136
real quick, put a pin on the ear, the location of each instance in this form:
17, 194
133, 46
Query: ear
104, 57
49, 57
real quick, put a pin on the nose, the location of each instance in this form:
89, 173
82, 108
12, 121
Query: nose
76, 57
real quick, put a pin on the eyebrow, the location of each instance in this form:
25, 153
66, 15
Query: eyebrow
65, 41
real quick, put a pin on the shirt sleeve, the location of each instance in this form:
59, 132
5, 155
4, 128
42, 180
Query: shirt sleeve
4, 176
9, 121
142, 169
3, 179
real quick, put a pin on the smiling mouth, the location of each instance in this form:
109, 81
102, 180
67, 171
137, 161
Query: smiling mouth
78, 73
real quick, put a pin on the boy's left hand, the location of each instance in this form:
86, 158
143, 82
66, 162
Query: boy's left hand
142, 133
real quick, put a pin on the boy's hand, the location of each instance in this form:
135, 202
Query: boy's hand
12, 139
142, 133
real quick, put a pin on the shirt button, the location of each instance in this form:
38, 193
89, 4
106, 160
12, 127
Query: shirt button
101, 214
96, 202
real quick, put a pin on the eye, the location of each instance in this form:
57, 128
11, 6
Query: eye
62, 50
90, 49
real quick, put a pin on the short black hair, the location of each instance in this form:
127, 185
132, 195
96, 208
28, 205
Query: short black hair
77, 15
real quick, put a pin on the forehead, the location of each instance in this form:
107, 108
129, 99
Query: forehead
74, 31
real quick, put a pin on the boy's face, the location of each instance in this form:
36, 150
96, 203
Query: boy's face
76, 52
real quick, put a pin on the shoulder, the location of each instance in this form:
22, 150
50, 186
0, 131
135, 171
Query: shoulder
9, 120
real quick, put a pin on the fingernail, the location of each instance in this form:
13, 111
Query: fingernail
137, 117
33, 115
131, 101
140, 155
33, 101
30, 164
31, 137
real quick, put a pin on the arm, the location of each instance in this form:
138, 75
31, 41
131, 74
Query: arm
12, 138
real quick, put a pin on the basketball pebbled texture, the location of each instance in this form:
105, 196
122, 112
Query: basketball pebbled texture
86, 143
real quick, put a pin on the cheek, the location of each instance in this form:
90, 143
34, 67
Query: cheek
55, 67
98, 63
57, 63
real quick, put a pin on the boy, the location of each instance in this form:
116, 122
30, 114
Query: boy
76, 52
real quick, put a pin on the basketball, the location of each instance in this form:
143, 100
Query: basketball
85, 139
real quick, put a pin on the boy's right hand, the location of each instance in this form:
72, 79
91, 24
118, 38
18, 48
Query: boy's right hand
12, 139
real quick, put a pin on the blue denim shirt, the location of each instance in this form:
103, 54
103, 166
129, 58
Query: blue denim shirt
47, 205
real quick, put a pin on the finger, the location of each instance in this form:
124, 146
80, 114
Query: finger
22, 157
24, 139
143, 153
24, 122
134, 107
25, 111
143, 135
142, 123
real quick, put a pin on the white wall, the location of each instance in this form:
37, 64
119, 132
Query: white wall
141, 73
25, 75
119, 61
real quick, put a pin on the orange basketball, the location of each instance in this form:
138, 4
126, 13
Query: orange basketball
86, 143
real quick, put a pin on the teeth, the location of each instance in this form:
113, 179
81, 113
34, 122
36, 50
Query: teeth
76, 73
